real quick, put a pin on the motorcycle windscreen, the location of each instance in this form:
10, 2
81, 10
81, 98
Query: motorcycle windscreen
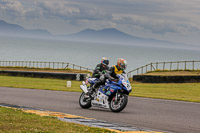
92, 80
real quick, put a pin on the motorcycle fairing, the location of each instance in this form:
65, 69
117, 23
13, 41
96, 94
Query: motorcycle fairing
101, 100
109, 89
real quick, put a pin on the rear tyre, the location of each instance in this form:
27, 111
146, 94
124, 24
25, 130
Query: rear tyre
84, 102
120, 104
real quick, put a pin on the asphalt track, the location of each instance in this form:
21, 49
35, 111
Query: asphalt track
156, 114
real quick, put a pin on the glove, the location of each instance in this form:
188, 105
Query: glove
103, 72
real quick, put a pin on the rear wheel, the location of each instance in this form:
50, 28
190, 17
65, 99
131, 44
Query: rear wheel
117, 104
84, 101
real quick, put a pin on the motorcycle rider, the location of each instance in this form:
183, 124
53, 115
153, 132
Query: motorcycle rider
112, 73
101, 68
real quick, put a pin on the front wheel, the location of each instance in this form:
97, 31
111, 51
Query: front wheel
84, 102
118, 104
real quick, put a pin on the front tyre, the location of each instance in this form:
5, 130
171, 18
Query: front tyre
117, 105
84, 102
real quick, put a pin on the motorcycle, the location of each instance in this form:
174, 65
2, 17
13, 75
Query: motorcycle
113, 95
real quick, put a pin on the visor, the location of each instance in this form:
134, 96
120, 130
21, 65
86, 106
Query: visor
106, 62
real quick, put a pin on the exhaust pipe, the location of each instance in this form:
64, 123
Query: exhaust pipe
84, 88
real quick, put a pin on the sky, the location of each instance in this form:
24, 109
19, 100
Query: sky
170, 20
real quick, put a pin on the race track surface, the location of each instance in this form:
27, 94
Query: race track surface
157, 114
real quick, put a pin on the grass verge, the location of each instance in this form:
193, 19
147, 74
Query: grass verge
17, 121
174, 73
174, 91
67, 70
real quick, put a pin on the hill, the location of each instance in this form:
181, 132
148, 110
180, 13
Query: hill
16, 30
108, 35
112, 35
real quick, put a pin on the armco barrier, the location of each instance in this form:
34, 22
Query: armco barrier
70, 76
166, 79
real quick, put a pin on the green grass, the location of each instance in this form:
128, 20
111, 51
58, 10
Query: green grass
174, 72
175, 91
39, 83
67, 70
16, 121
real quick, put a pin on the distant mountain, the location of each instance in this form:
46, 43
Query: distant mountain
13, 29
112, 35
109, 35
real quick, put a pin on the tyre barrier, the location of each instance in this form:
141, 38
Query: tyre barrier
166, 79
69, 76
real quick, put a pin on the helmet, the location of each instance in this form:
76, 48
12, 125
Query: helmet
105, 61
121, 63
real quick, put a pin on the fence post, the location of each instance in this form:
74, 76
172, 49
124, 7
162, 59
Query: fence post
151, 67
193, 65
156, 65
163, 66
170, 66
185, 65
142, 69
73, 66
62, 65
178, 65
146, 68
67, 65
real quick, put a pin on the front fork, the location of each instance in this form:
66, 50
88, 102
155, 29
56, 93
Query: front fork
117, 95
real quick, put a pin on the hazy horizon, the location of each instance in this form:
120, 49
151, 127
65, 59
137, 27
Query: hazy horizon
88, 54
106, 36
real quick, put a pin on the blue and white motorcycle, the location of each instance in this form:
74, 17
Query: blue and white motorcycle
113, 95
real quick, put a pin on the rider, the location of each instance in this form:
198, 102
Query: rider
101, 68
112, 72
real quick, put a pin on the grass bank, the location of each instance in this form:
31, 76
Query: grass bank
174, 73
67, 70
174, 91
16, 121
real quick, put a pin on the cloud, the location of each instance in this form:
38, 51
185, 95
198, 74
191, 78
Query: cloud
52, 9
156, 26
11, 8
71, 10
